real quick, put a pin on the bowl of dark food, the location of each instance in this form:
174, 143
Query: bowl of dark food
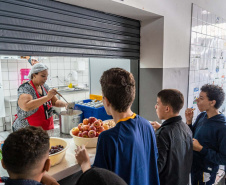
57, 150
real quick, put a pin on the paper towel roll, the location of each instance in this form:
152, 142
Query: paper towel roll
74, 75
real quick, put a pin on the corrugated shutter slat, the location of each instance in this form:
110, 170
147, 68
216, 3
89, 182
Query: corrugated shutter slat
43, 27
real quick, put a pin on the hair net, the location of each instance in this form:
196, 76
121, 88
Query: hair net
36, 69
34, 58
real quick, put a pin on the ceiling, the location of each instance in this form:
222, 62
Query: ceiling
113, 7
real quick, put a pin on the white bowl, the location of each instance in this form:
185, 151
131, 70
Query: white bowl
105, 121
57, 157
88, 142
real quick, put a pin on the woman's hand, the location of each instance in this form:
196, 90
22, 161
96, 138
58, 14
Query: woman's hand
155, 125
51, 93
189, 115
82, 157
70, 105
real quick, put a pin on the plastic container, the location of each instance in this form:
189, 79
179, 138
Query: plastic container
57, 157
98, 113
95, 97
24, 75
88, 142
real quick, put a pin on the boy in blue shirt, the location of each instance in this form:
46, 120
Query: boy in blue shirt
209, 135
26, 157
129, 149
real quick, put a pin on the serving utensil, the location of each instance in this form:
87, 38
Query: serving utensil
69, 110
61, 96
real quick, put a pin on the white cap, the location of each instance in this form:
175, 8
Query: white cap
34, 58
37, 68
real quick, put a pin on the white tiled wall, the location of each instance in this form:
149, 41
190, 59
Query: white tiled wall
11, 74
59, 70
61, 67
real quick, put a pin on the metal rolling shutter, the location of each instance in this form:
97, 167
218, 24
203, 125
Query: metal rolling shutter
50, 28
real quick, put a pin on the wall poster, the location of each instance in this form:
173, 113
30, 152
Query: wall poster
207, 54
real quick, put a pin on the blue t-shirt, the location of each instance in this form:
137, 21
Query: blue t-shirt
129, 149
9, 181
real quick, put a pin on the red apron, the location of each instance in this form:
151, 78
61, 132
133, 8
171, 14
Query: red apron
43, 117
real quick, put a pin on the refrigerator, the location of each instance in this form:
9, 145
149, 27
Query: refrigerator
99, 65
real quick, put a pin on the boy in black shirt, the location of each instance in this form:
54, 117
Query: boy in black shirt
174, 139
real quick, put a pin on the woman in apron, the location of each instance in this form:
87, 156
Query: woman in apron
35, 101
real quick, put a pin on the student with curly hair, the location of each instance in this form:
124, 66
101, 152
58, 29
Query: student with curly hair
129, 149
26, 157
209, 135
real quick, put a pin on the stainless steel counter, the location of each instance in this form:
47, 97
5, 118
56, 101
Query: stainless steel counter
56, 131
72, 91
10, 100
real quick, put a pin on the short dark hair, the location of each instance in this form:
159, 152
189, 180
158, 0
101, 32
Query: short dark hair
23, 149
214, 92
100, 176
118, 86
172, 97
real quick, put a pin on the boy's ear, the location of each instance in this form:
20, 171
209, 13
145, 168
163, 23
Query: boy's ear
167, 109
213, 102
3, 165
107, 102
47, 165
